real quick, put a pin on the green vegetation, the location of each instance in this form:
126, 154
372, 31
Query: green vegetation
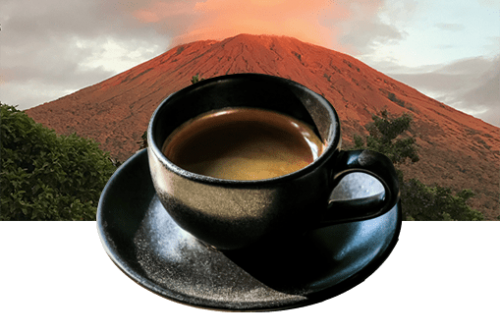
144, 140
396, 100
45, 176
393, 98
418, 201
297, 55
196, 78
436, 203
383, 133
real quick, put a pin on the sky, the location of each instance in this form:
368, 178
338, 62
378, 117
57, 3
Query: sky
447, 49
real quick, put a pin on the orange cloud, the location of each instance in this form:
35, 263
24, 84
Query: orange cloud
314, 21
296, 18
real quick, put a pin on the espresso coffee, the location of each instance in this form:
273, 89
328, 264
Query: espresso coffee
243, 144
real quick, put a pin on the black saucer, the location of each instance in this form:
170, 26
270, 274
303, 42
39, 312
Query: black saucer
146, 244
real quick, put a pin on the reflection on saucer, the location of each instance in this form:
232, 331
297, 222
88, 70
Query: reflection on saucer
173, 259
156, 226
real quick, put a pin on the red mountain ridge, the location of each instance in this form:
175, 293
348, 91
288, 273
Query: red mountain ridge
456, 150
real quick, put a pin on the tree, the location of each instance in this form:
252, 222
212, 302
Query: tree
46, 176
418, 201
383, 133
436, 203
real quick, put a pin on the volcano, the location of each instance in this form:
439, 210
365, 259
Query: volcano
456, 150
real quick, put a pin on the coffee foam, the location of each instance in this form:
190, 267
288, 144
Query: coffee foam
243, 144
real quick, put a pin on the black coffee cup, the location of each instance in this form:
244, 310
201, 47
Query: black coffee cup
232, 214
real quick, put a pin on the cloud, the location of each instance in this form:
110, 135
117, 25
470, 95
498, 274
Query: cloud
365, 28
161, 10
218, 19
346, 26
450, 26
362, 35
471, 85
483, 98
53, 47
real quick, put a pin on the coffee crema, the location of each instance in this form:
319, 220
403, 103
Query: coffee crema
243, 144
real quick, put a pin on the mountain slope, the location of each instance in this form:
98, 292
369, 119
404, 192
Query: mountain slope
457, 150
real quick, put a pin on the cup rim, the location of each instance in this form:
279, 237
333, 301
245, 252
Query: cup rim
332, 145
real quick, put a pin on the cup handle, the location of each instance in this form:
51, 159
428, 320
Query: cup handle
374, 164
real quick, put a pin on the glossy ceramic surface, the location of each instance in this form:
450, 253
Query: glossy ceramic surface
233, 214
148, 246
